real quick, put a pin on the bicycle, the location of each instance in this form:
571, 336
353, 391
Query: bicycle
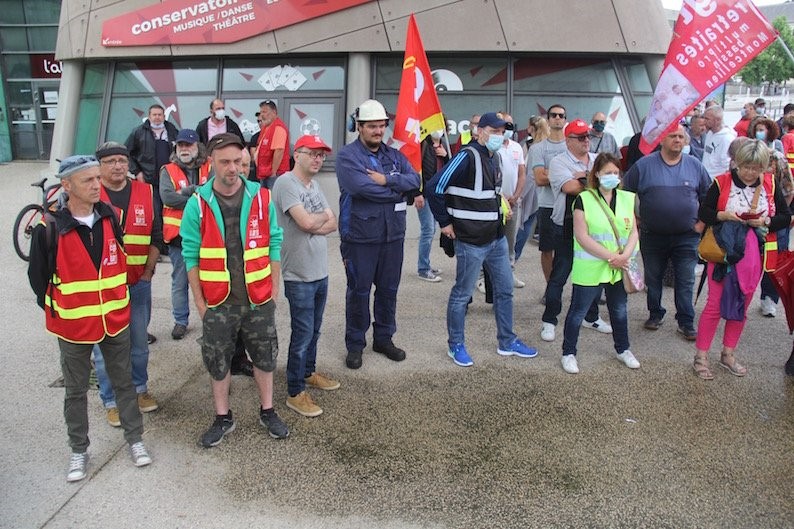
31, 215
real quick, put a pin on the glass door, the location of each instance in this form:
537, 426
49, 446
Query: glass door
33, 107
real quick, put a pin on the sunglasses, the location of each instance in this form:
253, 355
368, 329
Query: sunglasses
599, 122
560, 115
580, 138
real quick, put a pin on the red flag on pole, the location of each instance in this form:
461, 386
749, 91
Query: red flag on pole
418, 110
711, 42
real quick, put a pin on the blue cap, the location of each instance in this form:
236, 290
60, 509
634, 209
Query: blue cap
76, 163
187, 136
490, 119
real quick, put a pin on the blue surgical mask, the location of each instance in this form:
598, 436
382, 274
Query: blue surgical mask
599, 126
760, 135
509, 134
609, 180
743, 112
157, 126
494, 142
687, 149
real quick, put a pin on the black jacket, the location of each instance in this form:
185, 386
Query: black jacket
202, 129
140, 143
43, 247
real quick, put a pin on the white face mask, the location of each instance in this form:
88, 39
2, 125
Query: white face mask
219, 114
157, 126
437, 134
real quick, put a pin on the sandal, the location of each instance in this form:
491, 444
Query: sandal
701, 367
729, 362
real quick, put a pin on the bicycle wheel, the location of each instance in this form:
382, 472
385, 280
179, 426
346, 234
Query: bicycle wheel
23, 229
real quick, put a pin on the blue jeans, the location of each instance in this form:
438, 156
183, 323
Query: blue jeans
681, 250
140, 315
768, 289
470, 259
180, 304
523, 235
428, 229
306, 307
560, 270
582, 299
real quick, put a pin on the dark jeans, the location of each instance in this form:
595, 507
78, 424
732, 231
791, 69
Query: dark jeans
582, 300
306, 307
560, 270
681, 250
768, 289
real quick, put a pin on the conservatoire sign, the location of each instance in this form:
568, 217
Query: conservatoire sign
212, 21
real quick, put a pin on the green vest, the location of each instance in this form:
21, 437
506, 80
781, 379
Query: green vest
589, 270
465, 137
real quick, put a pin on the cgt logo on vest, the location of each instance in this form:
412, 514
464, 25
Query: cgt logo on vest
253, 232
140, 215
113, 252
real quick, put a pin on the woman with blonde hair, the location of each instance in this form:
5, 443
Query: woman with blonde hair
529, 198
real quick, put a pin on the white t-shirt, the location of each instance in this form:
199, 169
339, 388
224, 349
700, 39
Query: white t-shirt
512, 156
715, 151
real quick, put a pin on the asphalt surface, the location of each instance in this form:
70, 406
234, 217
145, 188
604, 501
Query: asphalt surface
421, 443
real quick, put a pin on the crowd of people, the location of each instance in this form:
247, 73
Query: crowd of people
240, 219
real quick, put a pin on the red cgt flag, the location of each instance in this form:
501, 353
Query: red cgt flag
712, 40
418, 109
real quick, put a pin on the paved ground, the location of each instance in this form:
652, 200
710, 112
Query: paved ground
423, 443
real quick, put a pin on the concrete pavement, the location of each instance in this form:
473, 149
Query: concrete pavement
423, 443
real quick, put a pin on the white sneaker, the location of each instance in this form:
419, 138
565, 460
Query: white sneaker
569, 364
598, 325
77, 466
517, 283
627, 358
140, 457
768, 308
481, 285
547, 332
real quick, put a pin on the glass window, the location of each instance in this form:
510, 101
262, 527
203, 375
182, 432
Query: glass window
243, 112
42, 38
41, 11
638, 78
10, 13
94, 79
17, 66
13, 39
87, 130
127, 112
167, 77
559, 74
292, 76
449, 74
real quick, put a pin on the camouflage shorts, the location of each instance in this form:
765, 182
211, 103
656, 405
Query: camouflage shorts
257, 327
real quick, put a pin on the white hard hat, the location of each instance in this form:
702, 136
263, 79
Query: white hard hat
371, 110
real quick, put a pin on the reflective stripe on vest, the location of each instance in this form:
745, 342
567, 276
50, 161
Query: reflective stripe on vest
214, 274
136, 224
589, 270
172, 217
84, 305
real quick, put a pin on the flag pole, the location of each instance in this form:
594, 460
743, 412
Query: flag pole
788, 51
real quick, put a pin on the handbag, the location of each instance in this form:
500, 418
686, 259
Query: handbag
708, 248
633, 276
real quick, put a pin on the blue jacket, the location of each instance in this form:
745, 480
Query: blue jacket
368, 212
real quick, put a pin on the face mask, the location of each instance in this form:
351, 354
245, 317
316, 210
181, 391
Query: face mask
760, 135
686, 149
474, 129
688, 120
220, 114
494, 142
609, 180
509, 134
158, 126
760, 110
743, 112
437, 134
599, 127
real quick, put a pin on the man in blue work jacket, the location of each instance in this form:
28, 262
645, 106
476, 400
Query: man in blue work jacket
373, 181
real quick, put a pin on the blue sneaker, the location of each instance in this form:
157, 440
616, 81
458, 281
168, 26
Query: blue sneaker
518, 348
460, 356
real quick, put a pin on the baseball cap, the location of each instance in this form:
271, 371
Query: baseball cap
187, 136
311, 142
220, 141
577, 127
490, 119
74, 164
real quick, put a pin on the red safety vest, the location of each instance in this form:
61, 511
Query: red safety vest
172, 217
136, 224
83, 305
213, 263
724, 182
264, 152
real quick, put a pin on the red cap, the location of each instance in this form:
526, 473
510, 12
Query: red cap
577, 127
311, 142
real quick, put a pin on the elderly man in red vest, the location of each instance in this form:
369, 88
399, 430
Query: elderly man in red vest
272, 153
78, 271
231, 244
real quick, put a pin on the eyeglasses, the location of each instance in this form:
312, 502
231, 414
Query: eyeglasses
560, 115
119, 161
580, 138
314, 155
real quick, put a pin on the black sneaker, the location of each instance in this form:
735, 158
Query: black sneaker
223, 424
353, 360
179, 331
275, 426
653, 324
689, 333
391, 351
150, 338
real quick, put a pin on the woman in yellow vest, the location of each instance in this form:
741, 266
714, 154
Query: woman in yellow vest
598, 262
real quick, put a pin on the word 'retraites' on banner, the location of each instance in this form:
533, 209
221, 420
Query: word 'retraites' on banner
712, 40
212, 21
418, 110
